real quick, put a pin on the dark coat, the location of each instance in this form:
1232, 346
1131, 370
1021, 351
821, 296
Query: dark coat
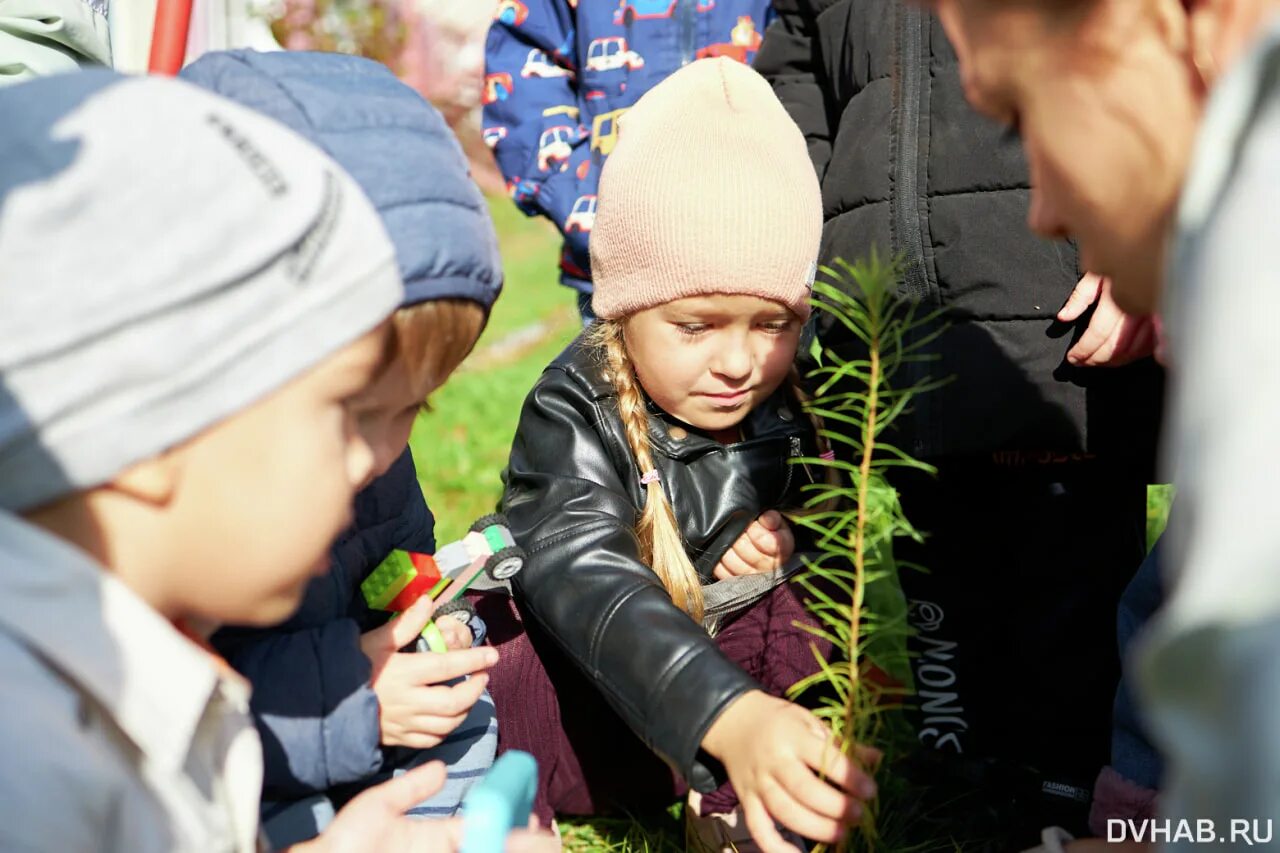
312, 702
573, 497
908, 167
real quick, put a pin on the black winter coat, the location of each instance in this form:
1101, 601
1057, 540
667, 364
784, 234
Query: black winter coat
573, 497
907, 166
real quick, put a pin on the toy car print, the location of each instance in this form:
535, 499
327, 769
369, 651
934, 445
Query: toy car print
493, 135
497, 87
609, 54
538, 64
555, 146
583, 215
511, 12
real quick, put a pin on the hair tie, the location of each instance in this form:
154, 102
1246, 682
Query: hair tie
650, 476
828, 455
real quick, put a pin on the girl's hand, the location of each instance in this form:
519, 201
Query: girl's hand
774, 752
375, 820
766, 545
415, 708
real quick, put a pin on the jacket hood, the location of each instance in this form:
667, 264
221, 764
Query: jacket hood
397, 147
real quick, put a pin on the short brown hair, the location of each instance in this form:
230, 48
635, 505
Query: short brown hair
434, 337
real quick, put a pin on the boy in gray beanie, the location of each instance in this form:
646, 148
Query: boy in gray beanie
339, 706
190, 297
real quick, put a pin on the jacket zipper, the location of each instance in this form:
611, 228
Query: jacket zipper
908, 241
911, 101
686, 13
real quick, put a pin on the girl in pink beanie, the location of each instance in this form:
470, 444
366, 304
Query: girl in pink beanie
654, 620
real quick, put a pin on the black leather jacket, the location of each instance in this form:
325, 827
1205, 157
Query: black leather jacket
573, 497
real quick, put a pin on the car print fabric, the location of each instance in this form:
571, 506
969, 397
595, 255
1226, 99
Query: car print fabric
561, 73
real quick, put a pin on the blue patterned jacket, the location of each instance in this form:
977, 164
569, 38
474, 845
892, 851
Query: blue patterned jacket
559, 73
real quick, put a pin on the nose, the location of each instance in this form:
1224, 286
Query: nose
732, 361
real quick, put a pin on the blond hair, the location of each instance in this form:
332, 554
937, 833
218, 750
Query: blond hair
432, 338
661, 544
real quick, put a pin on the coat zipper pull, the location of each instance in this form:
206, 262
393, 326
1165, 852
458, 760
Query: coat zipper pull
796, 451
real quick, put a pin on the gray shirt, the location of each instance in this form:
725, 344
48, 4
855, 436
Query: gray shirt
117, 731
1210, 666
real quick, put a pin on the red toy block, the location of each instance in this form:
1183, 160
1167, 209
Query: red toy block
427, 577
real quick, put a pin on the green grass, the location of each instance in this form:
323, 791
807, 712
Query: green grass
461, 446
1159, 499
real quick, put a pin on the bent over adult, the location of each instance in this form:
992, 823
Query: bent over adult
1178, 103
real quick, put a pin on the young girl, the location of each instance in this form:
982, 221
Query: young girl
643, 456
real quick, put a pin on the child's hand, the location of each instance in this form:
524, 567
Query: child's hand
455, 631
415, 708
774, 751
375, 821
766, 545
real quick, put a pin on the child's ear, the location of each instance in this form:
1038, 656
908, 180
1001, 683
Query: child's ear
153, 481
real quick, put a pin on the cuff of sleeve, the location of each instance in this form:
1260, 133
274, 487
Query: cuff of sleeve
1115, 797
680, 740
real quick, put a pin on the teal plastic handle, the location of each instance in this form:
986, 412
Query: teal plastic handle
500, 803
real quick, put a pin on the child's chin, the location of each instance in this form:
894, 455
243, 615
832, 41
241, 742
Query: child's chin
274, 609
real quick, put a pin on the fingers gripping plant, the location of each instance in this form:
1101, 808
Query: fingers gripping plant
852, 585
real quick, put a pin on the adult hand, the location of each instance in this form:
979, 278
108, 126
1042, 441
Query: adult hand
785, 768
375, 820
415, 708
1113, 338
766, 545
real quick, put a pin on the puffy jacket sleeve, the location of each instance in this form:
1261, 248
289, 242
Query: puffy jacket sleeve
312, 703
789, 59
585, 584
514, 111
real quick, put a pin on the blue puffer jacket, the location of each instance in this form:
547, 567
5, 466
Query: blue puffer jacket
312, 702
559, 73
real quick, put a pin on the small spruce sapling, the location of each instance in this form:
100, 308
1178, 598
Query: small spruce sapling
852, 585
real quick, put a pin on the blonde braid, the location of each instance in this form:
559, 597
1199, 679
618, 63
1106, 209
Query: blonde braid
660, 542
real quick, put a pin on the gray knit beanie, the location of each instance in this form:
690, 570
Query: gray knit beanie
167, 258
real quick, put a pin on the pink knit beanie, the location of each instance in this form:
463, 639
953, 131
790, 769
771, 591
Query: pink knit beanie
709, 189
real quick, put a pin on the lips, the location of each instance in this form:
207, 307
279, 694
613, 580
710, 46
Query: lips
731, 398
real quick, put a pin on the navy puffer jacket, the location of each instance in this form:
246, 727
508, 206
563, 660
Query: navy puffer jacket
312, 702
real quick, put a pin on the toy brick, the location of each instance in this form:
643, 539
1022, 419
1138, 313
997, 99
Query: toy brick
425, 564
386, 581
462, 580
477, 545
499, 537
417, 587
453, 558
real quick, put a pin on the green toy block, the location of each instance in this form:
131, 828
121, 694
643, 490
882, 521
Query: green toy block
386, 582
